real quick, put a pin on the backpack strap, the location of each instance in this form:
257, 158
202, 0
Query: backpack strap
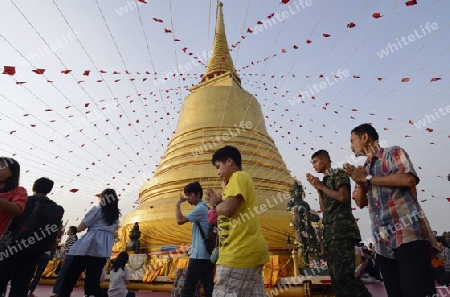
200, 227
201, 230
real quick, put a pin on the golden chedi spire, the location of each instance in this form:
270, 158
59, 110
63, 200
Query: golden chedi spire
218, 112
220, 63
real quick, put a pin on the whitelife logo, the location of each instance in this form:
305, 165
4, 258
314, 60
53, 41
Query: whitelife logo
404, 41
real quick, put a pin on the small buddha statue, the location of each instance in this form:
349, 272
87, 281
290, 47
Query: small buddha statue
134, 245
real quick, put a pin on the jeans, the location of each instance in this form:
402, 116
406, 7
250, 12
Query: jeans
410, 274
61, 273
19, 268
43, 261
198, 270
94, 268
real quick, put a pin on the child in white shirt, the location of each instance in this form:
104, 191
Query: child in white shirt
119, 277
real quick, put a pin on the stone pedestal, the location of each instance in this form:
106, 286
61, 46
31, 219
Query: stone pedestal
137, 266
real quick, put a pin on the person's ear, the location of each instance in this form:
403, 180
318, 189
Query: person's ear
365, 137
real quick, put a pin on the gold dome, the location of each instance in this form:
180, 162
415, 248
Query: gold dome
218, 112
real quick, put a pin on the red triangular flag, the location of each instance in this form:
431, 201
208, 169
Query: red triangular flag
10, 70
376, 15
38, 71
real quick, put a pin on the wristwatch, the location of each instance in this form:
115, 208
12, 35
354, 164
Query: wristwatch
368, 179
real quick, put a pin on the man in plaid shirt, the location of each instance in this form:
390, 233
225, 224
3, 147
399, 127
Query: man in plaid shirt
387, 185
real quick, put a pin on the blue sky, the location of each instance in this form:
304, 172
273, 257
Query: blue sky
99, 131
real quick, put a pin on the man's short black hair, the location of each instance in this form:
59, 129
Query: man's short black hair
73, 229
442, 240
195, 188
226, 152
366, 128
321, 154
43, 185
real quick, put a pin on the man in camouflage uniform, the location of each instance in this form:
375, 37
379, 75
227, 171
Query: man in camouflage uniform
341, 232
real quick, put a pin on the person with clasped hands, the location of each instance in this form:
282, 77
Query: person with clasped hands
387, 185
341, 232
242, 248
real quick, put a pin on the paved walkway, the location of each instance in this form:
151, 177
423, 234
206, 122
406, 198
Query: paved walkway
46, 291
377, 290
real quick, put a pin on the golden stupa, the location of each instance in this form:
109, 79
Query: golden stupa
218, 112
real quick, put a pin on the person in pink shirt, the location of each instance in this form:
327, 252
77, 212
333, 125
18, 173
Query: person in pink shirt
12, 197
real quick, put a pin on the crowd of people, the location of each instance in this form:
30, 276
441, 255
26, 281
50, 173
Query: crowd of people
29, 230
441, 260
386, 184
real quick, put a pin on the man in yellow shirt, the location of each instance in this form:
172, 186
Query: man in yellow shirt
242, 248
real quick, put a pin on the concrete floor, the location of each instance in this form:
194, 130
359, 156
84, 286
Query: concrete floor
46, 291
377, 290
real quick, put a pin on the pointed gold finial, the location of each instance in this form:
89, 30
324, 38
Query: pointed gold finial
220, 62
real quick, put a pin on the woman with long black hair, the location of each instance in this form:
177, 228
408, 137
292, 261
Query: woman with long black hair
92, 250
